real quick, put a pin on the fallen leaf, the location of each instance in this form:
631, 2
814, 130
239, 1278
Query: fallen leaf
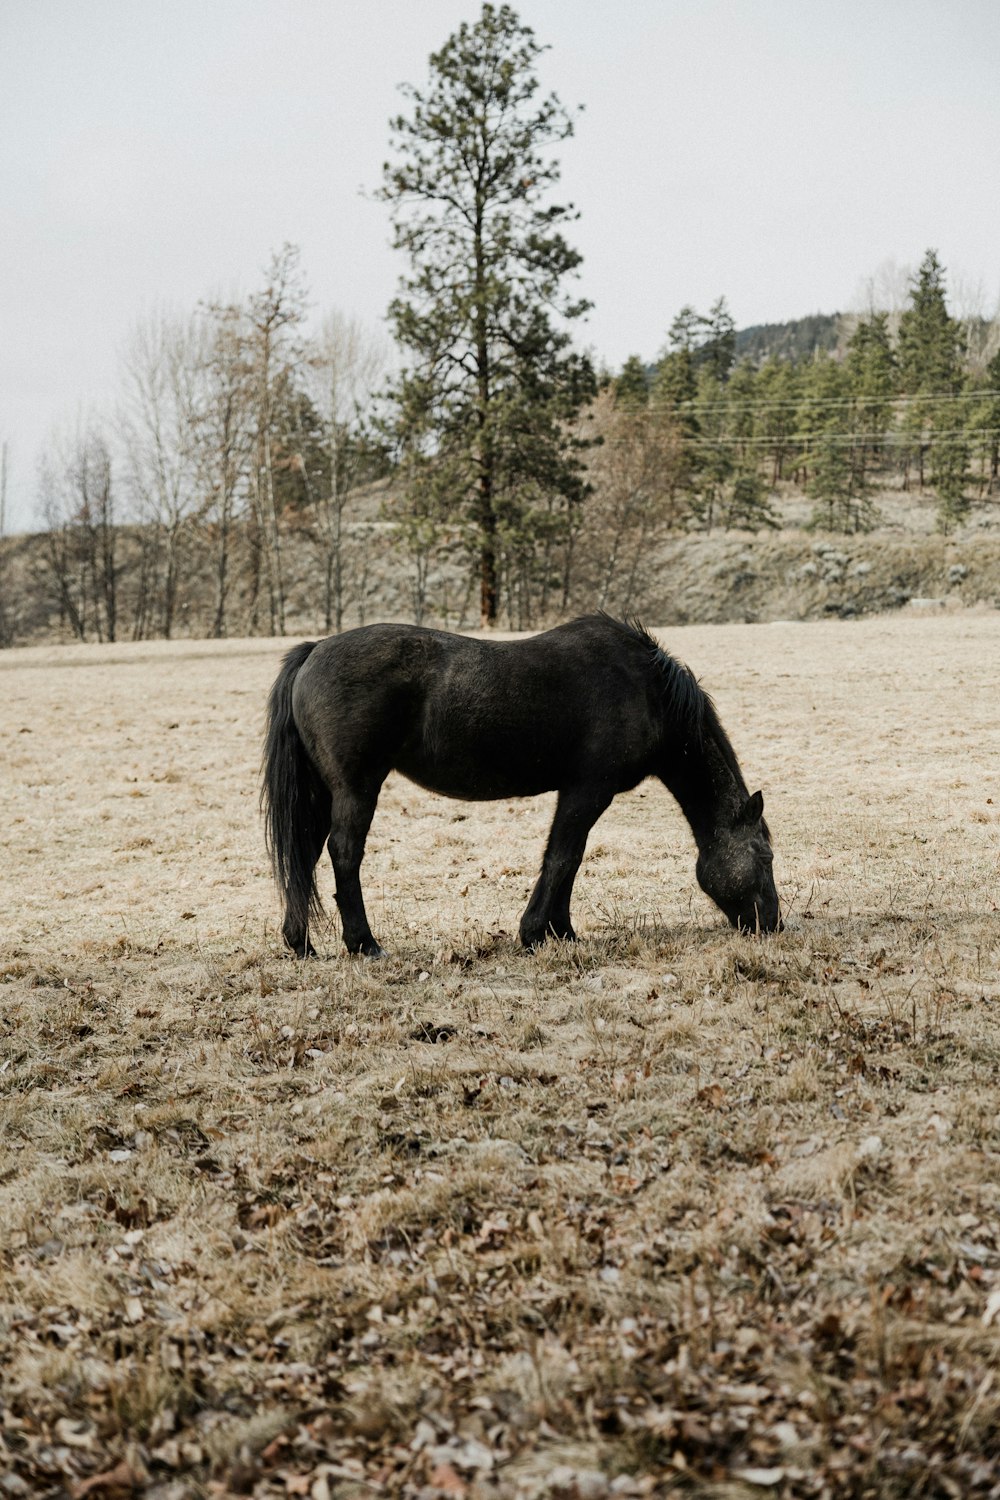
118, 1483
445, 1479
712, 1096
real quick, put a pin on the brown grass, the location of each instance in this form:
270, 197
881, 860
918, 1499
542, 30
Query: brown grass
667, 1210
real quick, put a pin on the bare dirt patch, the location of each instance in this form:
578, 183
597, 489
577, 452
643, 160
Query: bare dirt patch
670, 1209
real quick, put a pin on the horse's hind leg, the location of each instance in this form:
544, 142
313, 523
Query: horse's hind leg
547, 913
353, 811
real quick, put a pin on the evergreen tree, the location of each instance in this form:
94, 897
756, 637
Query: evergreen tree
833, 478
687, 330
777, 390
632, 385
930, 365
674, 389
831, 483
824, 396
749, 503
718, 352
674, 384
715, 449
930, 341
872, 376
741, 407
950, 476
490, 382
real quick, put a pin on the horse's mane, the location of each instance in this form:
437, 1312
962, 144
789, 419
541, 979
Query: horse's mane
684, 697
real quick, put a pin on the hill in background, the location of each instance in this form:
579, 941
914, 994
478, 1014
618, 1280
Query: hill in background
797, 340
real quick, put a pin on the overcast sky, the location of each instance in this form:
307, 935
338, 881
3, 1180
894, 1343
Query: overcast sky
154, 152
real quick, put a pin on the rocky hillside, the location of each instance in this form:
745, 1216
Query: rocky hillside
797, 575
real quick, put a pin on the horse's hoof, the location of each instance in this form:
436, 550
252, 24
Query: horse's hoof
367, 948
302, 950
535, 938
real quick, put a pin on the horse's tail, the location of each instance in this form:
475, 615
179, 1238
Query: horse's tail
296, 805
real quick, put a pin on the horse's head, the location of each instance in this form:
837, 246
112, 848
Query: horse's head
735, 869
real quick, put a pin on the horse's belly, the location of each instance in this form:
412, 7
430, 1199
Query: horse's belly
479, 782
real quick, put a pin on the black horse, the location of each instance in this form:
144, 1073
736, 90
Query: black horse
587, 710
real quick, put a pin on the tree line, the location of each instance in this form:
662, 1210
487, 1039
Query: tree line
520, 481
907, 402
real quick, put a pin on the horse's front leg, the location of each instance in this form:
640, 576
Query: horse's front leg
352, 816
547, 913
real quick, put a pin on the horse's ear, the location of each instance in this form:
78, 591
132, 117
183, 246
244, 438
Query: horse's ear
753, 810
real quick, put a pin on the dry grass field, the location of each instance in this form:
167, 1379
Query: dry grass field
670, 1210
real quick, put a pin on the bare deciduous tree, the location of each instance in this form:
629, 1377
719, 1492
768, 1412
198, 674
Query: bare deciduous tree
157, 427
82, 535
636, 473
275, 315
222, 440
344, 365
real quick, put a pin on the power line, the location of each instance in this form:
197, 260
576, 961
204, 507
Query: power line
886, 439
738, 406
849, 439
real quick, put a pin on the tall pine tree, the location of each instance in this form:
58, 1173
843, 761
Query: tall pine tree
490, 381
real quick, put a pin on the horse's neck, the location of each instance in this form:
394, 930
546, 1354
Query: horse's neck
709, 792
